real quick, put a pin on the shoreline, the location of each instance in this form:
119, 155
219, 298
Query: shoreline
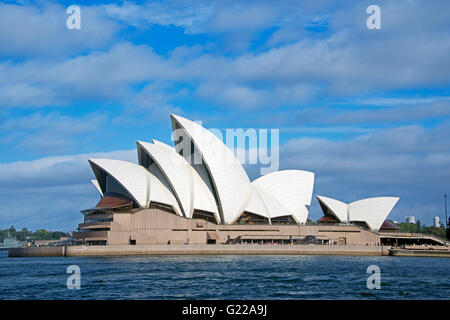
420, 253
218, 249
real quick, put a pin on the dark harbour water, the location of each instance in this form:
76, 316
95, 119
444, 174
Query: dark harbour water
224, 277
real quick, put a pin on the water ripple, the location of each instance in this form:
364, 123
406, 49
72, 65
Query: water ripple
224, 277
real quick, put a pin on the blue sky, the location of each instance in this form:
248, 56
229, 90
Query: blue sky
367, 110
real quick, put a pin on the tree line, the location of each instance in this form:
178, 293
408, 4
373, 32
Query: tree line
25, 234
419, 228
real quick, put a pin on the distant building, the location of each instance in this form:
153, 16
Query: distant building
436, 222
12, 243
411, 219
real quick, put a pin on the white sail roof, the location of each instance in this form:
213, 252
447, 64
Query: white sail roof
273, 207
140, 184
292, 188
229, 180
336, 208
130, 176
176, 171
162, 144
97, 186
203, 198
372, 211
218, 183
160, 194
256, 204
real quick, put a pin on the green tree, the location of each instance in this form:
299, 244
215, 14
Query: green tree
3, 235
407, 227
434, 231
41, 234
12, 231
23, 234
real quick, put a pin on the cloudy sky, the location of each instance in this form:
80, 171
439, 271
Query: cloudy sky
367, 110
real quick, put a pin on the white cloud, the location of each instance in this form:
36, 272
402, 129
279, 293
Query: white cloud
54, 170
26, 94
410, 162
236, 96
241, 16
188, 15
100, 75
347, 61
40, 30
50, 133
342, 113
50, 192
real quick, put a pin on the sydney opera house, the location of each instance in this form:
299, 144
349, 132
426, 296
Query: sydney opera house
197, 192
